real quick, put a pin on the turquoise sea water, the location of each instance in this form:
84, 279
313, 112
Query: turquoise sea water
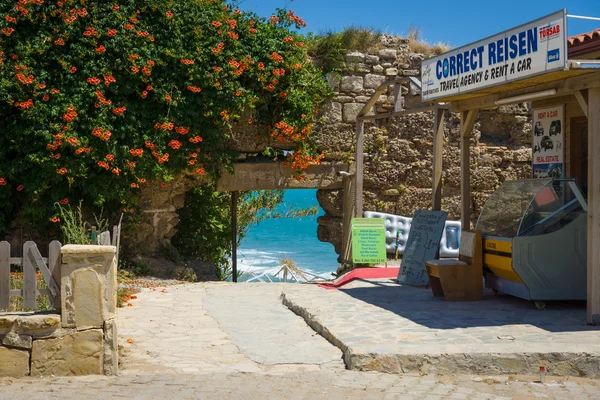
273, 239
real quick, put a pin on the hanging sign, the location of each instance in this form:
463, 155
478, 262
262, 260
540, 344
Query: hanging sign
548, 142
423, 244
531, 49
368, 241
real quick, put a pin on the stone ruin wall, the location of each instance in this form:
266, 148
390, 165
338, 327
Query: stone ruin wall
398, 152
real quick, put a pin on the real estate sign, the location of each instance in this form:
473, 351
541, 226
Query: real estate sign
368, 241
548, 142
531, 49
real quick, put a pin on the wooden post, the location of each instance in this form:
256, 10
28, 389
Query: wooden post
360, 144
4, 275
398, 97
234, 204
29, 282
467, 120
54, 265
438, 148
349, 181
593, 232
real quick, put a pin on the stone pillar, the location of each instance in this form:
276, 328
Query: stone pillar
89, 296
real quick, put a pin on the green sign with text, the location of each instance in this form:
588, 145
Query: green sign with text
368, 241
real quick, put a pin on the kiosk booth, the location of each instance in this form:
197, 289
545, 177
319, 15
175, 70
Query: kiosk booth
542, 234
529, 63
535, 239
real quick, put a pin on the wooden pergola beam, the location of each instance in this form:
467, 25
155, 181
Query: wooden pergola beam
582, 99
438, 151
564, 87
593, 233
467, 121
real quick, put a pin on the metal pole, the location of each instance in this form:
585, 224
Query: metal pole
234, 203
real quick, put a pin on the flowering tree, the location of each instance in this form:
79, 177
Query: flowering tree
99, 98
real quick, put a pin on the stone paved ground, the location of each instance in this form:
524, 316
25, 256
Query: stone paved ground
175, 348
382, 318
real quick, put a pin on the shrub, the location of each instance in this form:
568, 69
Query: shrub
418, 45
100, 98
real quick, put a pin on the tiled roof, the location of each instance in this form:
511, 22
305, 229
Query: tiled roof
584, 38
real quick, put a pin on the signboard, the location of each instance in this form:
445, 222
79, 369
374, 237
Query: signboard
423, 245
368, 241
528, 50
548, 142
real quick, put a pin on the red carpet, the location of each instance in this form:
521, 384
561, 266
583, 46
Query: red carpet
361, 273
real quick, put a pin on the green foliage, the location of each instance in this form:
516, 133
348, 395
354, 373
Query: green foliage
140, 268
98, 99
329, 49
75, 229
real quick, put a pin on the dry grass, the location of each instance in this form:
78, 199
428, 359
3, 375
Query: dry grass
418, 45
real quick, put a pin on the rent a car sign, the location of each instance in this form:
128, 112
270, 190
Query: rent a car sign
530, 49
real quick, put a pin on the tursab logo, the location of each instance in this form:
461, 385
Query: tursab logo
549, 31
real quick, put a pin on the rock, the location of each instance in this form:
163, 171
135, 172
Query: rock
371, 60
378, 69
330, 230
390, 192
391, 72
388, 54
352, 83
79, 353
13, 339
373, 81
14, 362
355, 57
331, 201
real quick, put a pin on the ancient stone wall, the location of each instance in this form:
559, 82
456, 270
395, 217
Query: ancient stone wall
82, 338
398, 152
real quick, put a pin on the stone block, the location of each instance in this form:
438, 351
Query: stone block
411, 72
355, 57
333, 112
388, 54
13, 339
14, 362
351, 111
373, 81
79, 353
378, 69
87, 296
88, 285
6, 322
39, 324
343, 99
371, 60
362, 68
352, 83
111, 348
391, 72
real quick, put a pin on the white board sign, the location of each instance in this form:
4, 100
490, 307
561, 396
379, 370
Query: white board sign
548, 142
531, 49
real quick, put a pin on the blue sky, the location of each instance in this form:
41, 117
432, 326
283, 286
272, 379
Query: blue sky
455, 23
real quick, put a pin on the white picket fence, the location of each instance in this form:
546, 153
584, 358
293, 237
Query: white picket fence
32, 260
